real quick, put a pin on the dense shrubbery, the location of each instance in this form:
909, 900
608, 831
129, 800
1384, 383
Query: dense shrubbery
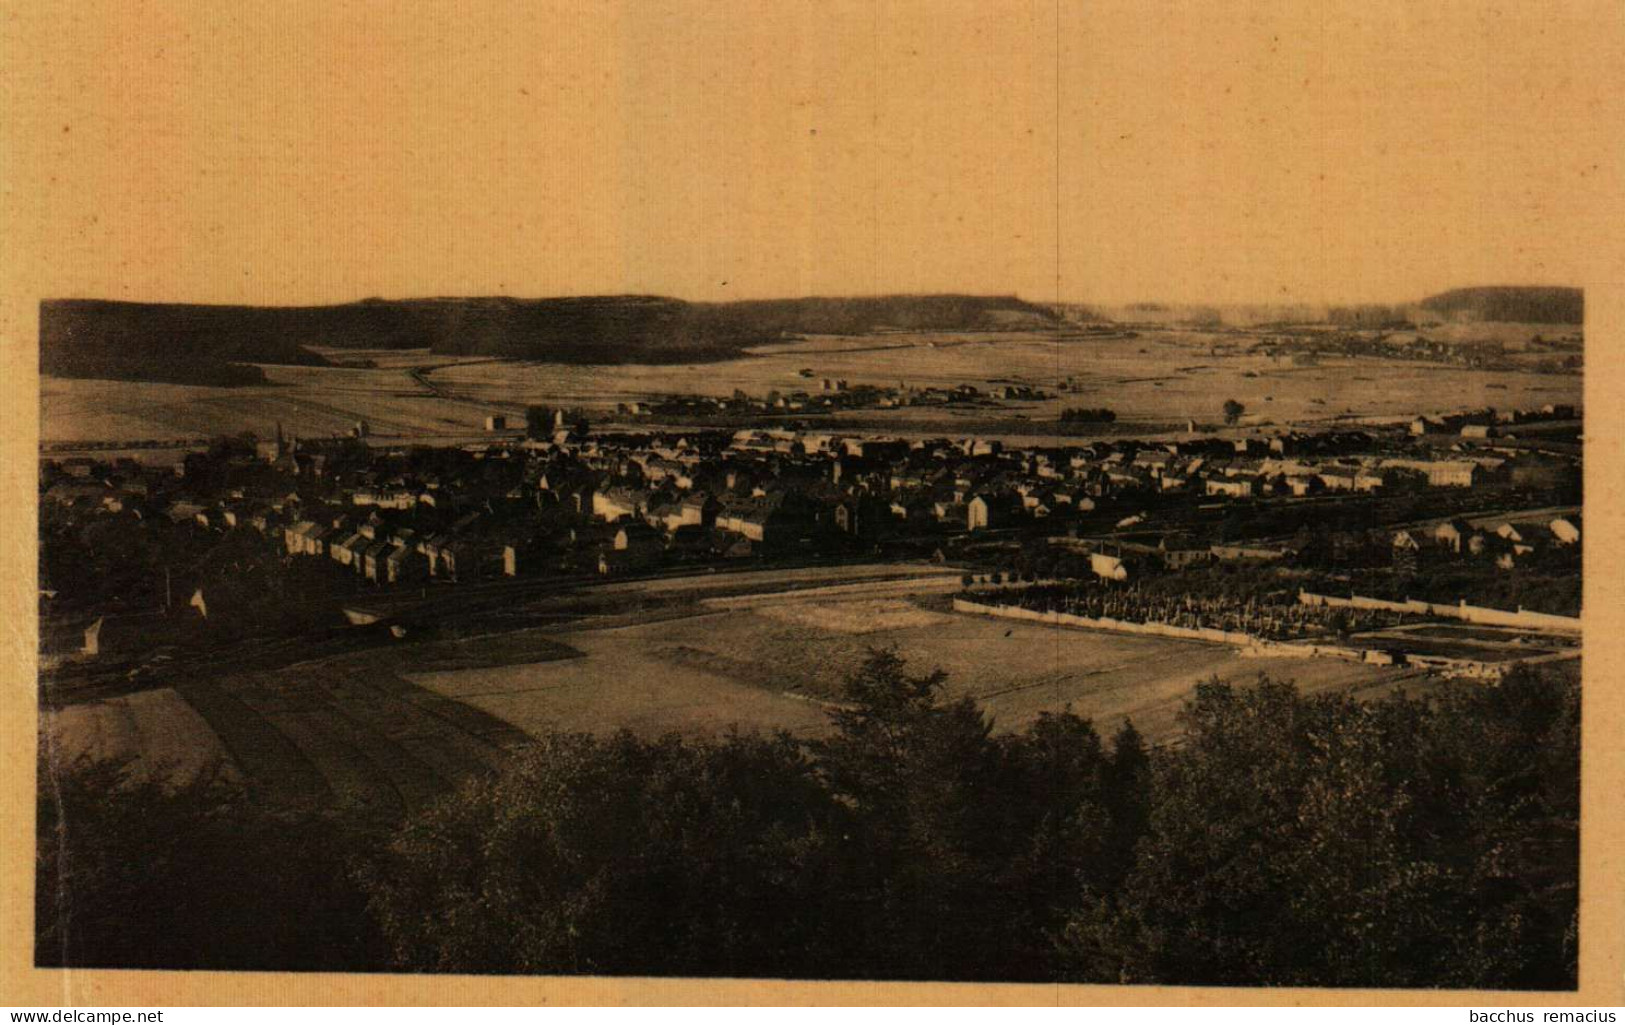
1325, 841
133, 874
1278, 617
1286, 840
1101, 415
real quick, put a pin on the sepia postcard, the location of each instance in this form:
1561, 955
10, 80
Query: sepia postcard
750, 502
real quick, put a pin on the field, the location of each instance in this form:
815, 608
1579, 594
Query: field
774, 666
380, 732
1515, 336
353, 731
1158, 380
1159, 377
1491, 634
156, 731
1459, 640
312, 401
344, 732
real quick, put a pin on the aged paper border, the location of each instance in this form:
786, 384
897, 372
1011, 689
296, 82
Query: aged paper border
26, 276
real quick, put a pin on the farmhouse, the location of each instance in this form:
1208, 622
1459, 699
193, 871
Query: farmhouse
1441, 473
1180, 554
1246, 553
1153, 460
1565, 531
1108, 567
372, 561
612, 504
386, 498
1453, 475
343, 551
403, 564
763, 519
1337, 480
305, 538
1453, 534
1404, 540
1232, 487
981, 513
849, 517
634, 546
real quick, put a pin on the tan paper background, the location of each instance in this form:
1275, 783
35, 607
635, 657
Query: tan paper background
1093, 151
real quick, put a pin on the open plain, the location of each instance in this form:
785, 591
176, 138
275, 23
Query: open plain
380, 731
1155, 381
776, 665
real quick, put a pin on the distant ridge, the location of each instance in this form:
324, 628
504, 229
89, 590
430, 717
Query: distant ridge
1535, 304
217, 345
174, 344
207, 344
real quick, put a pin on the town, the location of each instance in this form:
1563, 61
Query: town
1263, 535
1560, 355
834, 394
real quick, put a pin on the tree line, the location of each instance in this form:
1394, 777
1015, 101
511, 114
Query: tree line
1283, 839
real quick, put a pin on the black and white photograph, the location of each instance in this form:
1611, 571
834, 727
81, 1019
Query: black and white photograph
1083, 494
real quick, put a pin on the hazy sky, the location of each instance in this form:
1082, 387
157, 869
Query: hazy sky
1103, 151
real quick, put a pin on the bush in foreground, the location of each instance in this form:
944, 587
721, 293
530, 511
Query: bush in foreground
1284, 840
135, 873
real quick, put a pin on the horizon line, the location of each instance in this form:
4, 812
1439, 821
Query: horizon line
814, 297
